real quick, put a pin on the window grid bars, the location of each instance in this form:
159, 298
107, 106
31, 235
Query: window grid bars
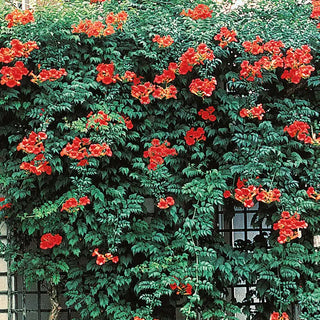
17, 287
229, 229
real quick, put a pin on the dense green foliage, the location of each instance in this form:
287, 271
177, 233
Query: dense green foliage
156, 245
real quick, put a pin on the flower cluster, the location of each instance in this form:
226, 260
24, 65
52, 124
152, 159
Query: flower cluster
245, 194
255, 112
255, 47
207, 114
48, 75
11, 76
130, 76
157, 152
97, 121
105, 74
163, 42
315, 14
93, 28
167, 75
273, 47
165, 203
142, 92
98, 29
268, 196
275, 59
194, 57
168, 92
204, 87
194, 135
181, 288
99, 150
271, 63
276, 316
201, 11
37, 166
203, 53
17, 50
6, 55
116, 19
297, 61
34, 145
73, 204
103, 258
19, 17
78, 150
96, 1
225, 37
189, 59
300, 129
249, 71
6, 205
286, 226
313, 194
49, 240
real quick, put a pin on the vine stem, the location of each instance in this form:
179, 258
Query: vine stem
55, 305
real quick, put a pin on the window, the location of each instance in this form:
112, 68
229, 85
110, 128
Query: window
20, 303
235, 224
23, 4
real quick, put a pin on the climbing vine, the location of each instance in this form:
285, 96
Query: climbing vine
126, 127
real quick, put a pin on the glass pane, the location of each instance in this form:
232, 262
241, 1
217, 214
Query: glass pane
45, 302
252, 234
238, 221
32, 301
238, 235
227, 237
254, 208
240, 293
33, 315
249, 219
18, 299
63, 315
241, 316
45, 315
239, 208
221, 221
264, 224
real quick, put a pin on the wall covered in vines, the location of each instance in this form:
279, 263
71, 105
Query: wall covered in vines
125, 126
